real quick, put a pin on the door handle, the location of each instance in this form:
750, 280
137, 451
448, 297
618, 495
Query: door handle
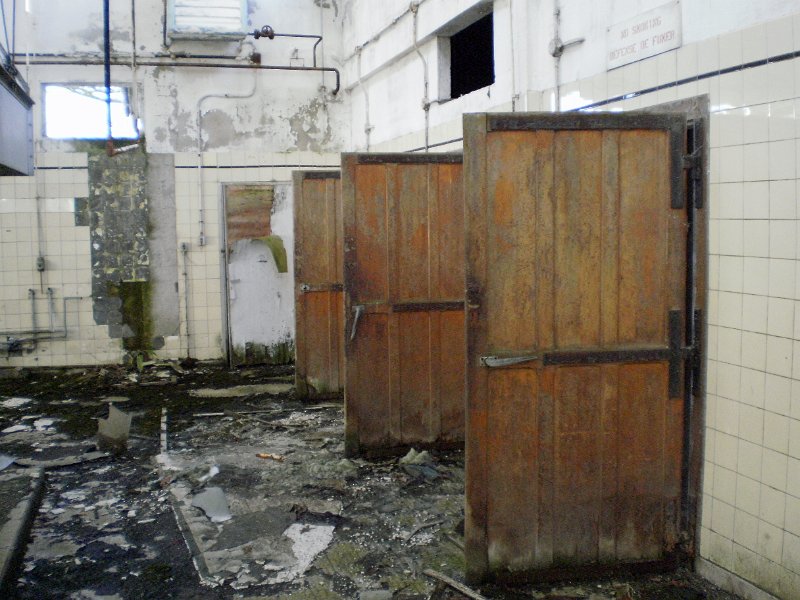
506, 361
358, 309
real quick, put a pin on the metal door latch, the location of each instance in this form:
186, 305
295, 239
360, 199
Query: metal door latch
358, 310
500, 361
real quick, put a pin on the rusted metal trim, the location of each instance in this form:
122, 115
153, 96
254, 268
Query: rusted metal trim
428, 306
320, 174
602, 357
579, 121
669, 563
675, 353
321, 287
377, 158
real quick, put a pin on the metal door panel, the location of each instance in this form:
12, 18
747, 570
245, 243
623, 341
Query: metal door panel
319, 296
576, 279
404, 291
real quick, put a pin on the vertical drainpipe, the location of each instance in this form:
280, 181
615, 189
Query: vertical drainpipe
107, 71
200, 148
557, 54
186, 295
514, 94
426, 105
367, 125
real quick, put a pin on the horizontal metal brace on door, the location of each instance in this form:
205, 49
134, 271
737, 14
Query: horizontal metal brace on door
582, 357
431, 306
383, 307
321, 287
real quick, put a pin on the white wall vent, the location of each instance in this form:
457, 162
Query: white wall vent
199, 19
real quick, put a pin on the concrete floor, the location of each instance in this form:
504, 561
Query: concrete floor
230, 488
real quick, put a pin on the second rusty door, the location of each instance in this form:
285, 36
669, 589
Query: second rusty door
319, 312
404, 300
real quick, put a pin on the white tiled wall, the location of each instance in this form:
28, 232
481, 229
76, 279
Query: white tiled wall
62, 177
25, 234
204, 266
751, 484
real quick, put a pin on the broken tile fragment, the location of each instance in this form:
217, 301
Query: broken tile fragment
212, 501
112, 433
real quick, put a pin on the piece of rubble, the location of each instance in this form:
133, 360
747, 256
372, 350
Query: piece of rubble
212, 501
112, 433
240, 391
5, 461
419, 464
15, 402
65, 461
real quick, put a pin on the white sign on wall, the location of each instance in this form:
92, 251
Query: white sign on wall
645, 35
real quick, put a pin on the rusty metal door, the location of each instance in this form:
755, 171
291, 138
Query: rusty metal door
404, 300
577, 340
318, 285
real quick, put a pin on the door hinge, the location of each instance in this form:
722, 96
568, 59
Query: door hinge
692, 163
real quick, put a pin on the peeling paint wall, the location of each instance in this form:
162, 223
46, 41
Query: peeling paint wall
152, 215
119, 236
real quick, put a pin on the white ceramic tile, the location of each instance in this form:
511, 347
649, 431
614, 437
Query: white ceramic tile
782, 241
756, 238
731, 269
755, 275
782, 199
731, 90
776, 432
793, 477
772, 506
757, 161
728, 451
729, 380
732, 239
773, 470
791, 556
754, 43
731, 163
748, 494
722, 518
755, 122
731, 200
781, 80
778, 394
745, 529
782, 278
754, 350
782, 120
749, 458
724, 486
730, 309
751, 423
756, 86
730, 346
782, 159
780, 317
708, 55
779, 356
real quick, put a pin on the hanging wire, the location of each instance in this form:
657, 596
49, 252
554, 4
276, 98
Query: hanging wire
5, 26
13, 28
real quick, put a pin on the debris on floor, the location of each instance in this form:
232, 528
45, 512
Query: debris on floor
112, 433
256, 501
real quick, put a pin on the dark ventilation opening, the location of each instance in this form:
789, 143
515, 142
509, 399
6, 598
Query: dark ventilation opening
472, 57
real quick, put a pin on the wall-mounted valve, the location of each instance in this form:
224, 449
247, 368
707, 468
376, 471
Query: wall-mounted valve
266, 31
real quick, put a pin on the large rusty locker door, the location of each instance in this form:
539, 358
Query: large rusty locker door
404, 300
318, 283
576, 340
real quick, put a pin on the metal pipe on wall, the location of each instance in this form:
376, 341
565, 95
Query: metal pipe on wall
107, 66
200, 148
179, 63
426, 105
